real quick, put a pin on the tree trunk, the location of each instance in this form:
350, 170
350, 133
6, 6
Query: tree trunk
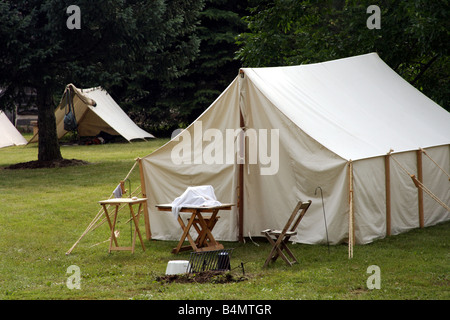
48, 141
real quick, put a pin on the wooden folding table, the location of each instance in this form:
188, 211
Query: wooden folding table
113, 244
203, 225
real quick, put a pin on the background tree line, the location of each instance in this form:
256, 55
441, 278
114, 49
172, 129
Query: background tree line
413, 39
166, 61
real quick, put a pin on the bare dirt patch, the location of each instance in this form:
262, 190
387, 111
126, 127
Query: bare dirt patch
202, 277
47, 164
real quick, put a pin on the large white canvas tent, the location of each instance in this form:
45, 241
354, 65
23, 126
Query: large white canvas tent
352, 127
9, 135
95, 111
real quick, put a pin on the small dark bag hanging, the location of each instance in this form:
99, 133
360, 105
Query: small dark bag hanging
70, 122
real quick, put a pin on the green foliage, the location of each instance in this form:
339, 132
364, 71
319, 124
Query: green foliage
128, 47
118, 43
413, 39
177, 102
215, 67
165, 61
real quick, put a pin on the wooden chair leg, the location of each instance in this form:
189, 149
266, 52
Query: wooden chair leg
288, 251
282, 255
278, 245
272, 251
282, 237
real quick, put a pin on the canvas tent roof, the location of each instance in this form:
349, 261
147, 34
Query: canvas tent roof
96, 111
9, 135
328, 124
355, 107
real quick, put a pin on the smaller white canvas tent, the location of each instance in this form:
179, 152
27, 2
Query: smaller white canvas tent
95, 111
9, 135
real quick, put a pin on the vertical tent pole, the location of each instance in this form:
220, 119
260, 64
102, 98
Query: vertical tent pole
148, 232
420, 190
387, 168
241, 166
241, 186
351, 231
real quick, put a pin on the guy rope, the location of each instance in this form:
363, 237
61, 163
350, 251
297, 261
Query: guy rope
418, 183
95, 222
425, 153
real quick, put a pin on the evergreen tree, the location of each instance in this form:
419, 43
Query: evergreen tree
177, 102
215, 68
118, 44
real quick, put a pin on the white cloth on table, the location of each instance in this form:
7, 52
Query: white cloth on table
201, 196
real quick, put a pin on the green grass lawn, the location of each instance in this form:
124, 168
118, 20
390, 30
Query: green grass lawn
44, 211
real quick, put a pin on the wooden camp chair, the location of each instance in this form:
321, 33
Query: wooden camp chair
279, 243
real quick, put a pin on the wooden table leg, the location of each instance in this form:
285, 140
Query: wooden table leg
206, 232
111, 226
136, 223
210, 223
185, 234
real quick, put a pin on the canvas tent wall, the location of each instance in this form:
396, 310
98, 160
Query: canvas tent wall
96, 111
328, 124
9, 135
